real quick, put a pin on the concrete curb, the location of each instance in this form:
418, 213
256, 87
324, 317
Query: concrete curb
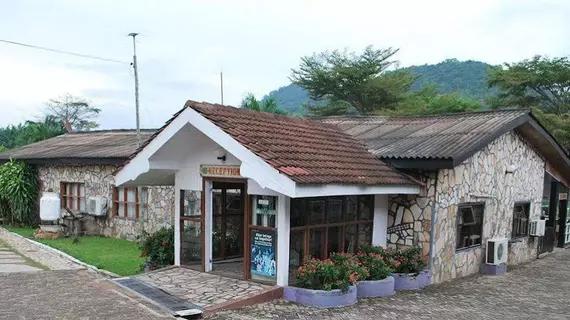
62, 254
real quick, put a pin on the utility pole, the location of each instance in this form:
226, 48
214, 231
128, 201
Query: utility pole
222, 87
136, 88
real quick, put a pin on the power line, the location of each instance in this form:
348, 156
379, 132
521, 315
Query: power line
63, 52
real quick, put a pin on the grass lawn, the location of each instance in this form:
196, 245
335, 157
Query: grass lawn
115, 255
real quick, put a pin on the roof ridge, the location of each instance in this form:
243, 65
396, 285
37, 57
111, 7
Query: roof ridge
112, 131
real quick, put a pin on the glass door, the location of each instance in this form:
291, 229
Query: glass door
191, 228
228, 218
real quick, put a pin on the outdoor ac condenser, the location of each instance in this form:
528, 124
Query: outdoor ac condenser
97, 206
497, 251
537, 228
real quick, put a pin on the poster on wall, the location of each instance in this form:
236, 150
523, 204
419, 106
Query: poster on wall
263, 253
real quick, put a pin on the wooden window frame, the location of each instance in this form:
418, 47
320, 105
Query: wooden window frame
74, 200
526, 211
125, 203
478, 226
308, 228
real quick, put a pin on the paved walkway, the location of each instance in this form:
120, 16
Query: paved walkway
31, 251
537, 290
202, 289
10, 261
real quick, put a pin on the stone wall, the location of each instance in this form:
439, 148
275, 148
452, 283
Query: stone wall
482, 178
409, 216
157, 208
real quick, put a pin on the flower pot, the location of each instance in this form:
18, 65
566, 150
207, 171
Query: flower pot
411, 281
321, 298
375, 288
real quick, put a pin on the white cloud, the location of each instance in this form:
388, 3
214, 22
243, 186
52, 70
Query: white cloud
184, 44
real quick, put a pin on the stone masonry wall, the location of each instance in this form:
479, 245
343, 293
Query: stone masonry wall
409, 216
157, 208
483, 179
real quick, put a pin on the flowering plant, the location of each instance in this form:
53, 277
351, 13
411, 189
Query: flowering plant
407, 261
373, 259
340, 271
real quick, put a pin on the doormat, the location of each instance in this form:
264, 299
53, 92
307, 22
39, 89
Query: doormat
162, 299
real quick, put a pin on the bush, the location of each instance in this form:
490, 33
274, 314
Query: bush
339, 272
407, 261
157, 248
372, 258
19, 187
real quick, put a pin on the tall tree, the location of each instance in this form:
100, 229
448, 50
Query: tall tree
352, 81
428, 101
538, 82
30, 132
268, 104
78, 111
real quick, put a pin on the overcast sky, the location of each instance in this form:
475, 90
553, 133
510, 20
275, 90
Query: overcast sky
183, 45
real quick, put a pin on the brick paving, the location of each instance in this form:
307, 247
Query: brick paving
71, 294
31, 251
202, 289
536, 290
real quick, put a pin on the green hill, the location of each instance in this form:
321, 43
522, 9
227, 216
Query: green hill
469, 78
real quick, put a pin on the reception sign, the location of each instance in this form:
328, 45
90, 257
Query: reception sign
219, 171
263, 259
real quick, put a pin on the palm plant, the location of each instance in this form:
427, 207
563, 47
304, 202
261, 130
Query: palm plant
266, 105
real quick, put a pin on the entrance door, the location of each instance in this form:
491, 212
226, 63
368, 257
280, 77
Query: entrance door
228, 222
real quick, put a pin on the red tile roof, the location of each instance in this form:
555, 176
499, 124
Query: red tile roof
307, 151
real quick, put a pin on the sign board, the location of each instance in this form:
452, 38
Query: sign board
563, 196
263, 259
219, 171
265, 205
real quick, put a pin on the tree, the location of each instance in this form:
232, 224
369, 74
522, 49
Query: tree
347, 80
79, 112
557, 124
268, 104
538, 82
428, 101
30, 132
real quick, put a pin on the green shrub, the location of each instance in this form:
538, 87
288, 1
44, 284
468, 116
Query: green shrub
341, 271
157, 248
19, 189
407, 260
372, 258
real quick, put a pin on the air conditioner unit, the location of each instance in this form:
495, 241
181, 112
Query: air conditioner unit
497, 251
537, 228
97, 206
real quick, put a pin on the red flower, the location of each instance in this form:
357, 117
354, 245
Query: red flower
164, 243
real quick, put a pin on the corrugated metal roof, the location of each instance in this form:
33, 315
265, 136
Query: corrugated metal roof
81, 145
447, 136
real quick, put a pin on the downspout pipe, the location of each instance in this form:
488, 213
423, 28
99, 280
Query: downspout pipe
432, 223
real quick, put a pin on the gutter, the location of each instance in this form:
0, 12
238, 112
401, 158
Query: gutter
432, 224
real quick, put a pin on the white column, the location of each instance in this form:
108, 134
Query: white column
283, 234
208, 226
177, 225
380, 228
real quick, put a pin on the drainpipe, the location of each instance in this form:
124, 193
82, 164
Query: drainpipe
432, 225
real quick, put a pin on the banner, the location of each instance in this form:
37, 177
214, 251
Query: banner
263, 259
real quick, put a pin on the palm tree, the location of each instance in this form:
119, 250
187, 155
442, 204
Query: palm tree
266, 105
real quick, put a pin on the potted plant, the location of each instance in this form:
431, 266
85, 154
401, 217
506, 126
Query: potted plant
408, 269
379, 282
327, 283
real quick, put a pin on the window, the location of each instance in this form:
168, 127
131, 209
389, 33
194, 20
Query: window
520, 219
126, 202
72, 196
469, 225
320, 226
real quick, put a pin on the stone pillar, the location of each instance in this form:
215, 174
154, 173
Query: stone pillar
380, 223
283, 238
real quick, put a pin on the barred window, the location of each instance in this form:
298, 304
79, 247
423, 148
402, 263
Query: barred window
469, 225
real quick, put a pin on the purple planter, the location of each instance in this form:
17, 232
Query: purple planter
375, 288
321, 298
411, 281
